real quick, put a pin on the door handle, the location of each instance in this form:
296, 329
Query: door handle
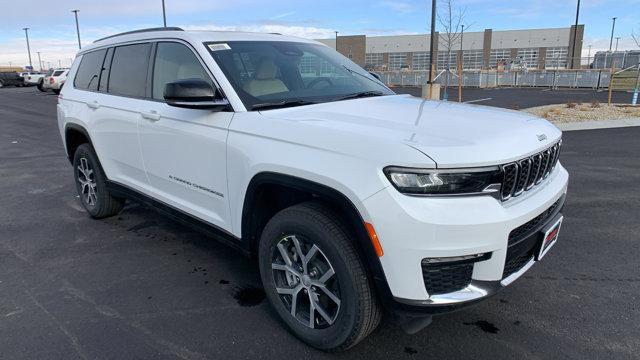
151, 115
93, 104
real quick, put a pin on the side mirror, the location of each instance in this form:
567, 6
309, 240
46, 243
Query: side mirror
375, 75
193, 94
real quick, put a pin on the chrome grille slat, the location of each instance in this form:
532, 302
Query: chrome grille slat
524, 174
547, 169
524, 168
510, 172
535, 169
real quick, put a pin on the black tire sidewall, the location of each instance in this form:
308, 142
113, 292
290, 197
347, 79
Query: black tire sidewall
289, 224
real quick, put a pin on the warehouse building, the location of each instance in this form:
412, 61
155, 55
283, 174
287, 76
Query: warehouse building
488, 49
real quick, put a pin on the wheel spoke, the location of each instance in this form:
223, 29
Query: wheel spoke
312, 312
285, 254
287, 291
323, 279
296, 244
323, 313
312, 252
294, 300
328, 292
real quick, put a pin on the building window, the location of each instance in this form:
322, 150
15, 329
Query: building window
420, 60
374, 61
472, 59
397, 61
528, 58
499, 57
442, 60
556, 58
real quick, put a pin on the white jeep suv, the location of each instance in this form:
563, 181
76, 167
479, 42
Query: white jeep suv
353, 199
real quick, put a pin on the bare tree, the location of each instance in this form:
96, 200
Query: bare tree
451, 19
636, 38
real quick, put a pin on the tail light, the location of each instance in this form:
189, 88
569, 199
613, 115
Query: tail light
51, 80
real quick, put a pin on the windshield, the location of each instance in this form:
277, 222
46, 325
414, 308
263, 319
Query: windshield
270, 74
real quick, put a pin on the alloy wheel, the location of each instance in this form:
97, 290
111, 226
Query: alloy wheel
306, 282
87, 179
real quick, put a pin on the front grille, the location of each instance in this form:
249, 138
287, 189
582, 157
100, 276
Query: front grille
531, 225
524, 174
446, 278
514, 265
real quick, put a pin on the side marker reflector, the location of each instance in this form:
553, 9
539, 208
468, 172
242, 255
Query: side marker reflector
374, 239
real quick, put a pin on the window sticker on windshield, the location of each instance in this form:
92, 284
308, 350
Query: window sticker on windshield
218, 47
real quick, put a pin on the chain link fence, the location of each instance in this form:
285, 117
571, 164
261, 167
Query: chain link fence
585, 78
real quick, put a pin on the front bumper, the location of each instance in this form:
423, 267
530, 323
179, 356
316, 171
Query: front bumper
411, 229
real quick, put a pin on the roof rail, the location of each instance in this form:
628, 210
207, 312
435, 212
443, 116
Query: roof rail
141, 31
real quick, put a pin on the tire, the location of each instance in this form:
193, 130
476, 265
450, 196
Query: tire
1, 84
56, 91
313, 225
40, 87
94, 195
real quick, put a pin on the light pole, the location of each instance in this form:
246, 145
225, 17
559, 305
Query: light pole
617, 40
431, 45
164, 14
26, 33
589, 57
575, 36
336, 40
75, 12
460, 64
39, 61
613, 27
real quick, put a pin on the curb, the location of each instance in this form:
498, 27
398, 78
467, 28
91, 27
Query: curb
598, 124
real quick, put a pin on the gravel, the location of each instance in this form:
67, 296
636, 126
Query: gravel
571, 112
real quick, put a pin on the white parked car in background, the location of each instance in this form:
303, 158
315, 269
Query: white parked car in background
353, 199
55, 80
32, 79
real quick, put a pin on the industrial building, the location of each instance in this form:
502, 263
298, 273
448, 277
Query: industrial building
488, 49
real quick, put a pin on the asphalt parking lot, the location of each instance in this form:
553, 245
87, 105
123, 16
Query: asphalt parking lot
140, 286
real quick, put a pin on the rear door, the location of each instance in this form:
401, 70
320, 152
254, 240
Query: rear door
184, 150
121, 92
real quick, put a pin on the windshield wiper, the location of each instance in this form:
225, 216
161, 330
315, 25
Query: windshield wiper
281, 104
361, 94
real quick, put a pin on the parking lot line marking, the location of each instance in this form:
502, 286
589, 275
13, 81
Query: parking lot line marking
478, 100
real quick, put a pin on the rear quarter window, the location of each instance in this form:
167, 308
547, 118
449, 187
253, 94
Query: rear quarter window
58, 73
88, 75
128, 75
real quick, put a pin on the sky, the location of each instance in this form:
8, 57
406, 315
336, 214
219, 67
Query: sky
52, 27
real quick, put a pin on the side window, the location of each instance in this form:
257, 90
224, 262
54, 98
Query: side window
175, 61
88, 73
104, 73
128, 75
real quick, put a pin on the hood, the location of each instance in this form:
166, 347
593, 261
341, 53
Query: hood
451, 134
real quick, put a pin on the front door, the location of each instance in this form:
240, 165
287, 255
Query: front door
184, 150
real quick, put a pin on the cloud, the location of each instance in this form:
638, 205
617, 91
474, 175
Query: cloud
283, 15
309, 32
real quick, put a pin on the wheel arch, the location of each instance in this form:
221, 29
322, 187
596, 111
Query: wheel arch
74, 136
270, 192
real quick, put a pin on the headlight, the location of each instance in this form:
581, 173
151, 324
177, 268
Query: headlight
442, 182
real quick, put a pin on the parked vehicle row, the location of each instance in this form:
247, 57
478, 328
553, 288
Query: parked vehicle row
11, 78
53, 80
